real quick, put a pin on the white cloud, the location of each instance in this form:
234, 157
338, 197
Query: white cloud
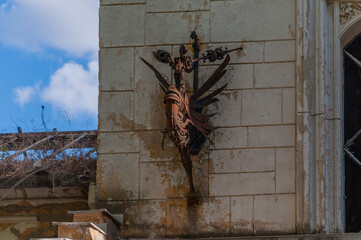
24, 95
68, 25
74, 89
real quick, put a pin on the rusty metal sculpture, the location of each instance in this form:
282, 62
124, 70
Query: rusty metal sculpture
187, 125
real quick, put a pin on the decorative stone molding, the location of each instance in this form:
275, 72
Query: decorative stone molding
319, 189
348, 11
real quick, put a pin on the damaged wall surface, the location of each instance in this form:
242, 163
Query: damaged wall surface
276, 167
29, 212
43, 175
247, 180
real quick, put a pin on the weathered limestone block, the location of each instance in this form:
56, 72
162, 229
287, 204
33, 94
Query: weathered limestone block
145, 219
169, 180
162, 180
114, 2
116, 111
121, 25
238, 76
228, 109
277, 51
151, 147
26, 230
118, 176
252, 52
115, 207
181, 220
274, 214
107, 2
214, 216
35, 213
275, 75
230, 138
176, 5
118, 142
235, 20
242, 160
161, 27
241, 183
285, 170
242, 215
149, 110
136, 1
262, 106
116, 70
34, 191
80, 230
210, 218
288, 105
271, 136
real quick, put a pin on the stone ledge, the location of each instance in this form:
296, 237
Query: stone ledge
345, 236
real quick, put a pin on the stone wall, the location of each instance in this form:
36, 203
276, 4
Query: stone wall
247, 179
28, 213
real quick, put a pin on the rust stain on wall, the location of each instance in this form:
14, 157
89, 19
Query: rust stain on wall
37, 219
145, 219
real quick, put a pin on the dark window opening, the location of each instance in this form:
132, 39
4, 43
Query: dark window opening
352, 124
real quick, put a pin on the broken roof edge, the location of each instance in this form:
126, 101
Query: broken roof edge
46, 140
58, 133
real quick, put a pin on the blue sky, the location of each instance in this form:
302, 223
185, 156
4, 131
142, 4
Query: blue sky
48, 57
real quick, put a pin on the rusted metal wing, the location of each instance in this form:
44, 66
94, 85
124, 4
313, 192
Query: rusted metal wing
212, 80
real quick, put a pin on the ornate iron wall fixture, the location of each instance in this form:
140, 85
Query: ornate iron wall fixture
187, 125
